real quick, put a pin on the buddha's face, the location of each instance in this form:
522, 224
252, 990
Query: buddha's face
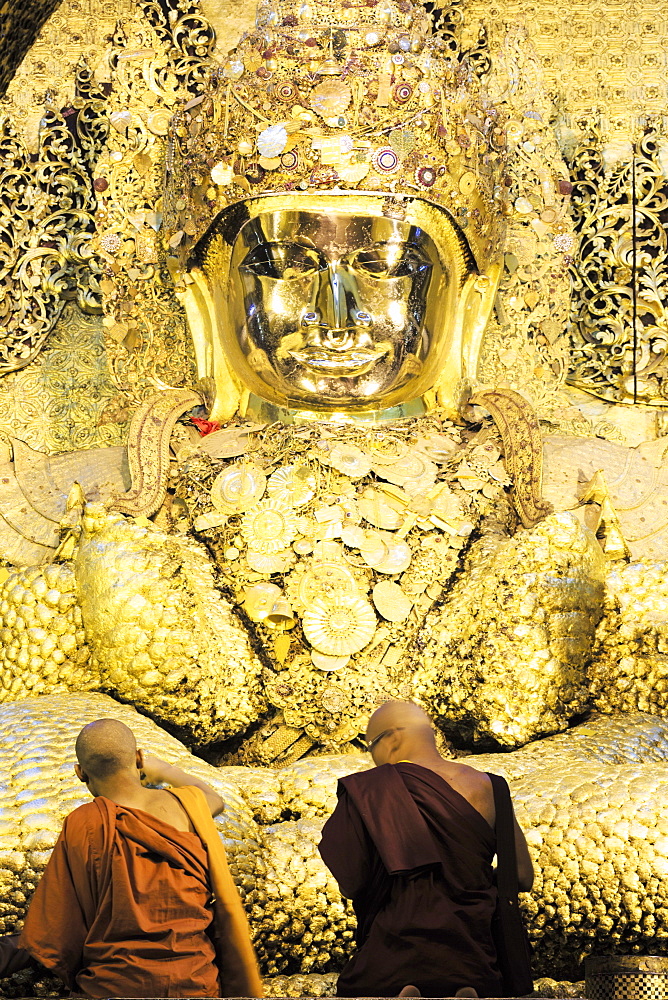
334, 308
330, 308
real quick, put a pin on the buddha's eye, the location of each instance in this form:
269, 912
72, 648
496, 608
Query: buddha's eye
282, 260
390, 260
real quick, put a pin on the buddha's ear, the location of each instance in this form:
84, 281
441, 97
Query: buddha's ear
480, 299
207, 339
475, 305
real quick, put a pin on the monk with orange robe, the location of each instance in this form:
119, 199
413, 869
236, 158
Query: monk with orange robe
126, 905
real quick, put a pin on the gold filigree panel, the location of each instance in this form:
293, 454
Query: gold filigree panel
59, 402
620, 275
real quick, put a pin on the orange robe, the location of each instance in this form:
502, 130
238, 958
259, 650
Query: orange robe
124, 907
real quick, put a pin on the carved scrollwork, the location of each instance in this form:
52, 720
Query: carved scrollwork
46, 226
188, 36
620, 315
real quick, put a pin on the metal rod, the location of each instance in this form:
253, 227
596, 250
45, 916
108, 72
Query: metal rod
634, 275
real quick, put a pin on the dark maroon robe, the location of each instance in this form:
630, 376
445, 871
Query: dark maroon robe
416, 859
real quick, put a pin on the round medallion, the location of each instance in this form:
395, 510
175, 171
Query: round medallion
330, 664
385, 160
293, 485
351, 460
286, 92
340, 626
426, 177
564, 242
238, 488
391, 602
326, 580
290, 160
402, 93
269, 527
303, 546
331, 98
333, 699
158, 121
467, 183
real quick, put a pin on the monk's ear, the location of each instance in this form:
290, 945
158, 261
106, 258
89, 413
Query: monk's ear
140, 760
80, 773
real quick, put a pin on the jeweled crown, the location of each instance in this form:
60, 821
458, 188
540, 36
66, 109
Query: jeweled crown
357, 95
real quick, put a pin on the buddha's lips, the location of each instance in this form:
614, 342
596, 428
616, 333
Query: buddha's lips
353, 361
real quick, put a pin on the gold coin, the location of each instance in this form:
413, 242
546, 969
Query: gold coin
467, 182
269, 527
158, 121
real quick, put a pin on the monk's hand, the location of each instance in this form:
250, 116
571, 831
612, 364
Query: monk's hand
155, 771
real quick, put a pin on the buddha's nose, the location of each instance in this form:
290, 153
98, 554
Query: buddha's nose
338, 299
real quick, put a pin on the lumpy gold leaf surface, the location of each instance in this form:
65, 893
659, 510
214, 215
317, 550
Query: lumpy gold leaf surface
591, 807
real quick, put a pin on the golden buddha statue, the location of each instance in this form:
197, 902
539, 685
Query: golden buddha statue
334, 212
334, 224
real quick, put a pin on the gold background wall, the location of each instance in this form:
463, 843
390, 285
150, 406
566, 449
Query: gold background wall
608, 57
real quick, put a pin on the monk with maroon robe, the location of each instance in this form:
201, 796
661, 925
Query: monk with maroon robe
125, 907
411, 842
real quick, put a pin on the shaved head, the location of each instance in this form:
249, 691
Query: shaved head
105, 747
400, 715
